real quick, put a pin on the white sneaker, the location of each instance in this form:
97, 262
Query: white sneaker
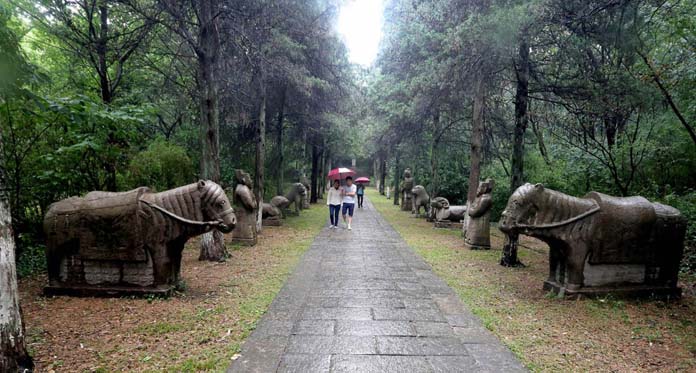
349, 228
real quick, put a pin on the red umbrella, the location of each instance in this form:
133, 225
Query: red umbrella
340, 173
362, 179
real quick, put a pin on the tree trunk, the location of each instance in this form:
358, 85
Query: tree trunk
521, 118
279, 145
435, 177
260, 163
315, 171
322, 172
212, 243
476, 138
13, 352
396, 178
383, 173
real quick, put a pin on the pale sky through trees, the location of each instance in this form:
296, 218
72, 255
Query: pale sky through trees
360, 25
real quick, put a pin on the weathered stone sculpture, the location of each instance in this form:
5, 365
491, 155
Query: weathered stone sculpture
445, 216
478, 229
295, 195
406, 187
246, 210
130, 242
272, 214
599, 243
305, 198
420, 198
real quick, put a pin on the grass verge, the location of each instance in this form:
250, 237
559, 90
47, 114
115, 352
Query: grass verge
547, 333
200, 329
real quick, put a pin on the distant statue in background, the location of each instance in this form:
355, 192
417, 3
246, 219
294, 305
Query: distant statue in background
478, 229
420, 198
295, 195
246, 209
406, 187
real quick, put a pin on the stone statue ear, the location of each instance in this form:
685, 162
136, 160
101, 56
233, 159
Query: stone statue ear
539, 186
201, 184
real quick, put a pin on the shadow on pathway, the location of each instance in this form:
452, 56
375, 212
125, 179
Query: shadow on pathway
363, 301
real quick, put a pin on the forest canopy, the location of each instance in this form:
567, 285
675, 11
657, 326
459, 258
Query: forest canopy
578, 95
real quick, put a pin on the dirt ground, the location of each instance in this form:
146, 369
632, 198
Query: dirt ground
198, 329
547, 333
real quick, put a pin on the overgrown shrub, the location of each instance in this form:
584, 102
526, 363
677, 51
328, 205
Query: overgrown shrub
162, 166
687, 205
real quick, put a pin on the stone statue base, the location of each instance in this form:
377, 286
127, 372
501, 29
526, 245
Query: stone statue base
625, 291
271, 222
406, 205
476, 246
109, 291
244, 241
447, 224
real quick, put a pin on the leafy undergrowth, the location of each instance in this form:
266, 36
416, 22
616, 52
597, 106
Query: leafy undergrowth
547, 333
199, 329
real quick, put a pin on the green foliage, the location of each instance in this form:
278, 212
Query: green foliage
686, 203
162, 166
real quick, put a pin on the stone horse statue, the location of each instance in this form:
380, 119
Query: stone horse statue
295, 195
441, 211
131, 242
406, 187
600, 243
246, 209
420, 198
272, 214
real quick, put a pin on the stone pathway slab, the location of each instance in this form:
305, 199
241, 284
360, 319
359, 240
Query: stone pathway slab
363, 301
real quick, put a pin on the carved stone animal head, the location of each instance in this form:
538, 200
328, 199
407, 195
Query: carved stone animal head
301, 190
242, 177
216, 206
419, 191
521, 207
407, 173
439, 203
485, 186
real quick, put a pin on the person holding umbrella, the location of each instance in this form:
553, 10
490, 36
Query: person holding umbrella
333, 200
361, 189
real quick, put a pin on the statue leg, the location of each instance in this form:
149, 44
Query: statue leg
575, 267
161, 263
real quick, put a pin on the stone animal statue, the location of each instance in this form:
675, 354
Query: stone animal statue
601, 243
272, 214
305, 198
477, 234
246, 209
130, 242
442, 211
295, 195
406, 187
420, 198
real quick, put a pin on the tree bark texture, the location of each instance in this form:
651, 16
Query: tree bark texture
397, 175
212, 243
279, 146
382, 173
476, 137
13, 352
521, 118
260, 163
316, 154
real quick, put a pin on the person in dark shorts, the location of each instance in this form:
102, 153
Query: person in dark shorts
348, 192
360, 194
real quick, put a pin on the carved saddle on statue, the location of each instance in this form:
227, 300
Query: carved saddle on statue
108, 225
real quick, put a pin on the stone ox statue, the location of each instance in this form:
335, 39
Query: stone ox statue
599, 243
420, 198
131, 242
442, 213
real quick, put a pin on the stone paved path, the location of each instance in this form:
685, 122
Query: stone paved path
363, 301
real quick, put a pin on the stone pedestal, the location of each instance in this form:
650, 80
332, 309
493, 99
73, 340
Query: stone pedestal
272, 222
446, 224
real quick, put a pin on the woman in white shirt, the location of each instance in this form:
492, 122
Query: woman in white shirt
333, 200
